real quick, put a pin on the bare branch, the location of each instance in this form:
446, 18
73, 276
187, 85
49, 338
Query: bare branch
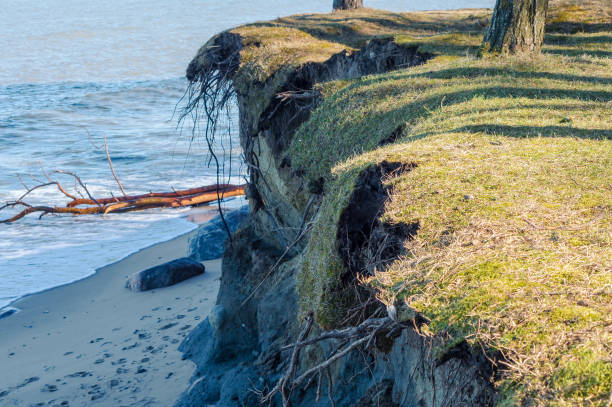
110, 164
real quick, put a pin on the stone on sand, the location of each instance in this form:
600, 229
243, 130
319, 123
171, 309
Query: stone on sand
165, 275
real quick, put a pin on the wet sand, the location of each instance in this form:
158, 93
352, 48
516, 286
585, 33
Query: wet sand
95, 343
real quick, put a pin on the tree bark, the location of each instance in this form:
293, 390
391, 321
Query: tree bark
517, 27
347, 4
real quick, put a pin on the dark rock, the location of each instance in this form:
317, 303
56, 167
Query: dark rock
8, 311
207, 244
164, 275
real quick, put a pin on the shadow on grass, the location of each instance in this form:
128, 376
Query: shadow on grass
572, 27
534, 131
576, 52
564, 39
381, 124
347, 28
476, 72
443, 48
566, 108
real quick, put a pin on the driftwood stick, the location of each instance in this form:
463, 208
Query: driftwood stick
110, 164
81, 183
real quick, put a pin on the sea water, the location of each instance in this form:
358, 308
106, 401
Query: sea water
75, 71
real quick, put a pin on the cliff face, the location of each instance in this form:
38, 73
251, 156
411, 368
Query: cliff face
238, 350
429, 213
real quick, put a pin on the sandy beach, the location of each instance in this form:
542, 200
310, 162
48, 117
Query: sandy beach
95, 343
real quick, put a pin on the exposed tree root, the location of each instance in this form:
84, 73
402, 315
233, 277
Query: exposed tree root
350, 339
208, 99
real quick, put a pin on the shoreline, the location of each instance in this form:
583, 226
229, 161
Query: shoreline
196, 216
94, 342
13, 304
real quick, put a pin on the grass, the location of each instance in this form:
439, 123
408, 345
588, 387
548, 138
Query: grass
513, 188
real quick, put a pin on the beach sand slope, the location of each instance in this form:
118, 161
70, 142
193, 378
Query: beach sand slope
95, 343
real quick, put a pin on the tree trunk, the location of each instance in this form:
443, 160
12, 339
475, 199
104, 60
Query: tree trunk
517, 27
347, 4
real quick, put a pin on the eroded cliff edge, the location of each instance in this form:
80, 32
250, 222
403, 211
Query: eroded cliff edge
325, 160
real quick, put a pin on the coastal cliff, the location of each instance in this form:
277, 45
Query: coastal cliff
394, 177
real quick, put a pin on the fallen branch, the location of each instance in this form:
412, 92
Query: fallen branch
174, 194
105, 206
125, 203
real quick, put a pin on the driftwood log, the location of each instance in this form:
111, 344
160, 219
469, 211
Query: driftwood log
86, 204
128, 203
